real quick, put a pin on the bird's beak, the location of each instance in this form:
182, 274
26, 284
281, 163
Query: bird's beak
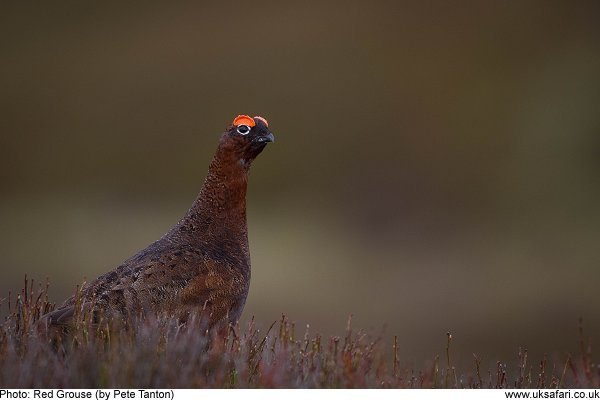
266, 139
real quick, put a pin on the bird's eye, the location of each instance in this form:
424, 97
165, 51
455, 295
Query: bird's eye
243, 129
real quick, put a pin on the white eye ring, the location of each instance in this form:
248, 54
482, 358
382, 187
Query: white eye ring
243, 129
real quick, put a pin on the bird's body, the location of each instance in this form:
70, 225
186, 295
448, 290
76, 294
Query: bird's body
201, 263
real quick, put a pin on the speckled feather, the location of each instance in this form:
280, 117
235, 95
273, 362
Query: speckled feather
202, 263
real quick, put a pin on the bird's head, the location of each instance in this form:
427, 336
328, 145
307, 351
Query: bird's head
246, 137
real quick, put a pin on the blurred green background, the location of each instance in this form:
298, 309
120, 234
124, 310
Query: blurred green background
437, 164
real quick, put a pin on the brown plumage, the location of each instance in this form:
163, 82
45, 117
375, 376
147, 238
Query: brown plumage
201, 263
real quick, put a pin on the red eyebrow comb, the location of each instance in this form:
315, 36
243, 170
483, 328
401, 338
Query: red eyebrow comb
243, 120
263, 120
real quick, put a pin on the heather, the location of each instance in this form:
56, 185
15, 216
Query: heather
160, 352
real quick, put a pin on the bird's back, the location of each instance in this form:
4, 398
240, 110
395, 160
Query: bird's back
165, 278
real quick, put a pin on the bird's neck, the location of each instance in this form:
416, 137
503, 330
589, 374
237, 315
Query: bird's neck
223, 193
220, 208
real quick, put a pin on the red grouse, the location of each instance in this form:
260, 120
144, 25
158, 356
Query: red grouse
203, 262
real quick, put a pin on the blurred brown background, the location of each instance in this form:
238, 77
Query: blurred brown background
436, 168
